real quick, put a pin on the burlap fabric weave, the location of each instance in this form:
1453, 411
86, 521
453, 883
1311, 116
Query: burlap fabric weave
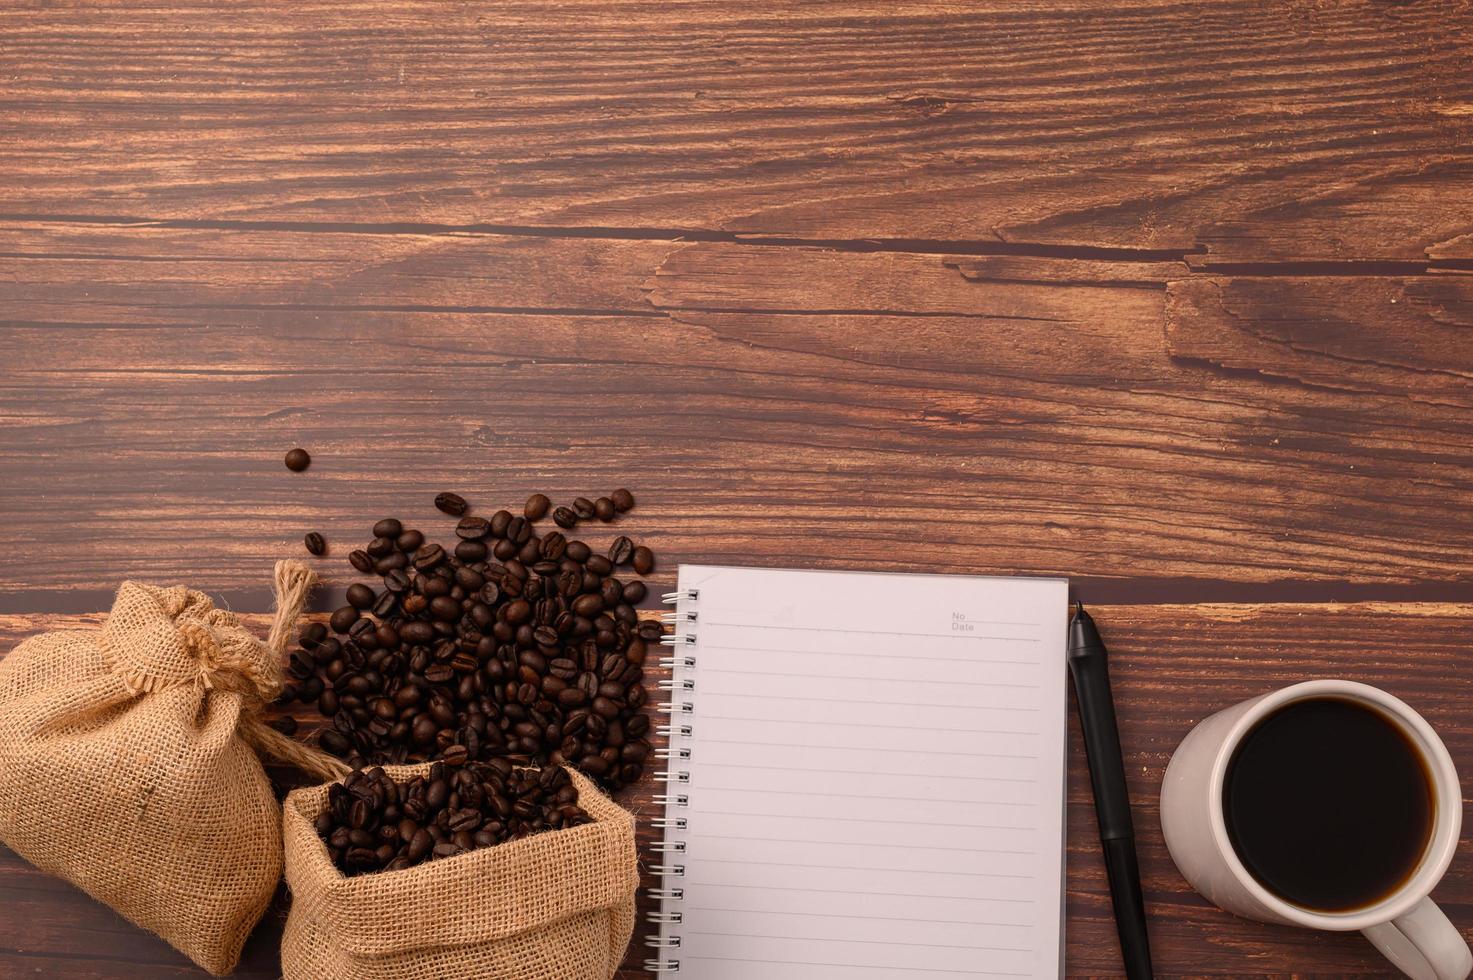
128, 762
554, 906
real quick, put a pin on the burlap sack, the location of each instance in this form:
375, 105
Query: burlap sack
128, 762
553, 906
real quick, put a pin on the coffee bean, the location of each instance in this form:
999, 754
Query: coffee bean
360, 596
634, 592
428, 557
623, 500
410, 541
297, 460
565, 518
621, 551
450, 503
643, 560
343, 619
536, 507
603, 509
472, 528
316, 543
361, 560
471, 552
286, 724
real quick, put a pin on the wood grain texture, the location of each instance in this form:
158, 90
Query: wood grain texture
781, 404
1171, 666
1129, 125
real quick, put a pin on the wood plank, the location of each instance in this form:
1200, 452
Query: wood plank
1172, 665
1128, 126
1407, 337
786, 405
1424, 217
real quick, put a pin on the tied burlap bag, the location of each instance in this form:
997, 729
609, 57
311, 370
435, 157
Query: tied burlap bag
554, 906
128, 762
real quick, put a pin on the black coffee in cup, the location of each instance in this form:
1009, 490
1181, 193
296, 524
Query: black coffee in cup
1328, 804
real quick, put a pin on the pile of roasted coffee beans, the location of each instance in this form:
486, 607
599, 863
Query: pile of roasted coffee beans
372, 823
512, 645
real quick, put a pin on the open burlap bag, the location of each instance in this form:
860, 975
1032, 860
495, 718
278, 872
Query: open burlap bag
554, 906
128, 762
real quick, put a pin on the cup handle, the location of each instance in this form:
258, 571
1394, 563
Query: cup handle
1423, 944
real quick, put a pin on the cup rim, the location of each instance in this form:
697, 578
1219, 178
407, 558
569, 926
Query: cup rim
1447, 802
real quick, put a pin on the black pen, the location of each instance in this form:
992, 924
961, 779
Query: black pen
1087, 665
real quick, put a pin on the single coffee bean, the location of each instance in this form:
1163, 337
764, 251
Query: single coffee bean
472, 528
297, 460
471, 552
565, 518
583, 507
450, 503
360, 596
536, 507
410, 541
361, 560
343, 619
316, 543
428, 557
286, 724
603, 509
643, 560
621, 551
388, 528
634, 592
623, 500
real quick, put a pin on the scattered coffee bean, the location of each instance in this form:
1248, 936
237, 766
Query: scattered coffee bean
621, 551
603, 509
298, 460
623, 500
565, 518
371, 823
316, 543
450, 503
360, 596
536, 507
517, 649
643, 560
583, 507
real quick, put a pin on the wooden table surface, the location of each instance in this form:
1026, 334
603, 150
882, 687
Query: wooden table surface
1171, 298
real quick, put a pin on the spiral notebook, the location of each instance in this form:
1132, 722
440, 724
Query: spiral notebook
865, 779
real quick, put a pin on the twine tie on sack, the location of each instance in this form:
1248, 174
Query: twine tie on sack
253, 669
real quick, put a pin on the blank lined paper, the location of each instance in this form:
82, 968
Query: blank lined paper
875, 781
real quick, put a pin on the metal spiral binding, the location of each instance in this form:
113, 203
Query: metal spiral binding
680, 661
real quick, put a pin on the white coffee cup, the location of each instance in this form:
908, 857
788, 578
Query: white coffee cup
1406, 925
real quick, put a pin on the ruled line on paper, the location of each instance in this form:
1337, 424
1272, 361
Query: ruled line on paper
909, 847
888, 704
843, 867
863, 748
704, 645
851, 966
870, 724
867, 942
908, 634
903, 680
859, 796
876, 918
863, 772
850, 891
908, 823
